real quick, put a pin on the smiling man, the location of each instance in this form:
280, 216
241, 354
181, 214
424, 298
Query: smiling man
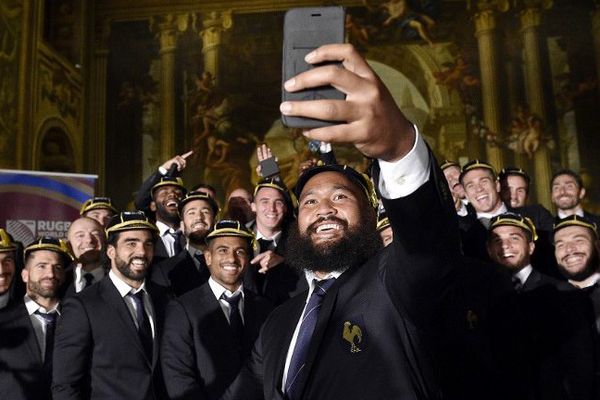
27, 326
166, 195
560, 341
187, 270
86, 239
114, 325
8, 250
567, 194
210, 330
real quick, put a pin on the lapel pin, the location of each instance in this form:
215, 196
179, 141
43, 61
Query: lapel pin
353, 335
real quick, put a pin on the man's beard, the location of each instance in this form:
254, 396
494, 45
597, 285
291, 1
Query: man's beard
358, 244
591, 266
198, 238
125, 268
37, 290
166, 216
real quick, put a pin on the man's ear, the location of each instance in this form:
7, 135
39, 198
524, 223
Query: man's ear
581, 193
207, 257
253, 206
531, 247
111, 251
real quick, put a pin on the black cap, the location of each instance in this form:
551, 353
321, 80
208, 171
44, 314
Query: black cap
229, 227
514, 171
52, 244
575, 220
6, 242
96, 203
514, 219
199, 195
169, 181
361, 180
277, 184
476, 164
128, 221
449, 163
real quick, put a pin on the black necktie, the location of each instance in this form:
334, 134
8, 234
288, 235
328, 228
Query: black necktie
307, 328
89, 278
266, 244
143, 322
200, 258
50, 322
235, 318
516, 283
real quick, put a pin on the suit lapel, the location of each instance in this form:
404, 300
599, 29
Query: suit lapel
23, 319
113, 298
327, 308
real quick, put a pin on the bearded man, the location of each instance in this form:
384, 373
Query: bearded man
107, 339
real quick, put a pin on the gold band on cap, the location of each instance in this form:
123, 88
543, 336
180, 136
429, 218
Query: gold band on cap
384, 223
576, 220
61, 248
515, 220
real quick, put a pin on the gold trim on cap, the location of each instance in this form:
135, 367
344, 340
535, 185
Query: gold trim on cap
575, 220
515, 220
6, 244
61, 248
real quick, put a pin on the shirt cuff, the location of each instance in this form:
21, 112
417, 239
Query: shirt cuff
403, 177
163, 171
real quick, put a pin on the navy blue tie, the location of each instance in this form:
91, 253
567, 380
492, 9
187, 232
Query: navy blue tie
143, 322
235, 318
305, 333
50, 322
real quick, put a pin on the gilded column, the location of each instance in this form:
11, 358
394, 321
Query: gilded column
596, 36
530, 19
97, 143
213, 26
166, 31
486, 34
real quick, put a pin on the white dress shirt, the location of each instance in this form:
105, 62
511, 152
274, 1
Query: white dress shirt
219, 290
124, 289
523, 274
98, 273
397, 179
38, 322
166, 234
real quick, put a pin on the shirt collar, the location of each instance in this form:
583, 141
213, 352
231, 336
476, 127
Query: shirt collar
32, 306
219, 290
561, 214
274, 238
164, 228
501, 210
523, 274
591, 281
311, 276
98, 273
123, 288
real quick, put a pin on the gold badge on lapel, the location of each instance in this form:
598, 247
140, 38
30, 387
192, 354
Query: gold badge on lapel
353, 335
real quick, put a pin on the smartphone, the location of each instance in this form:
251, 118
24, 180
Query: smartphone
269, 167
304, 30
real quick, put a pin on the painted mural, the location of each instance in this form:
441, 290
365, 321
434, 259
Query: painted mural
498, 80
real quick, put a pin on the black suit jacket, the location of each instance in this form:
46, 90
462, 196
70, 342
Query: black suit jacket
179, 273
22, 373
561, 339
199, 357
97, 351
397, 300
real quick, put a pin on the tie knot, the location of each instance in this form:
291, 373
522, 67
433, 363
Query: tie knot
516, 282
233, 300
49, 318
266, 244
89, 278
137, 297
322, 286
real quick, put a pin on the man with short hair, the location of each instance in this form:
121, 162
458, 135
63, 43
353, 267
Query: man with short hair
567, 193
239, 206
8, 250
85, 238
451, 170
483, 191
166, 195
210, 330
561, 342
187, 270
107, 341
268, 275
99, 208
372, 323
514, 186
27, 326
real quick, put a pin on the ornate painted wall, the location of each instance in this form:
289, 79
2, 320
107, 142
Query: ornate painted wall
514, 82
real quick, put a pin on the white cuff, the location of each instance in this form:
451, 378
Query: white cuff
163, 171
403, 177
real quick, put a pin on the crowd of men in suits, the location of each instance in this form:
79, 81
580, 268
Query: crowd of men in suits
416, 281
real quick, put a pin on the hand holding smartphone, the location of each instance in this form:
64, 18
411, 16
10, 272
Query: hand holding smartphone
306, 29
